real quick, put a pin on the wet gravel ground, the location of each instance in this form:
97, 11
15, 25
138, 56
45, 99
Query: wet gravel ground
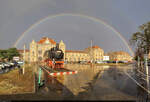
96, 83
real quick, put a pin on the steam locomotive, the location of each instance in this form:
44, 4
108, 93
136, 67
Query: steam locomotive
54, 57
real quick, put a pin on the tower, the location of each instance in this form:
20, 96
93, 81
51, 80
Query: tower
33, 51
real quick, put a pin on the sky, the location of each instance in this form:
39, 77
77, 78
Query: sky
124, 16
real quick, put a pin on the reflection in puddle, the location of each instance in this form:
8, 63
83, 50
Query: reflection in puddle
97, 83
76, 82
90, 83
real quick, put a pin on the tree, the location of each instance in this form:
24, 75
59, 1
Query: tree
141, 40
8, 54
3, 54
11, 52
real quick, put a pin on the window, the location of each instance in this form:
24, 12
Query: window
40, 58
40, 52
33, 52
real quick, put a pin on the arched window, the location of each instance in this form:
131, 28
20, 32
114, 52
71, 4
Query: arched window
40, 52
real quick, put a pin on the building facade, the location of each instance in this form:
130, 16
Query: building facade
95, 52
37, 49
76, 56
27, 55
119, 56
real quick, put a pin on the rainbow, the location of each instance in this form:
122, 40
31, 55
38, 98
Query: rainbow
79, 15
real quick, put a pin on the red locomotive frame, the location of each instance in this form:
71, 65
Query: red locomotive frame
54, 64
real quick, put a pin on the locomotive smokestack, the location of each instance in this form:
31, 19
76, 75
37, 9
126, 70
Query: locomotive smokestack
57, 46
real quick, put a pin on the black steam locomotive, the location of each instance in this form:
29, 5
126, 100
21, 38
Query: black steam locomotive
54, 57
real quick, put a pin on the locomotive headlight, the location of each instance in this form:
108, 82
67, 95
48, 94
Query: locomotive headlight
58, 51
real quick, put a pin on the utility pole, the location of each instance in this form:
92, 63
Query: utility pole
91, 53
138, 61
147, 77
24, 59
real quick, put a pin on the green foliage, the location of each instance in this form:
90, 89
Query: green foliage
3, 54
9, 53
141, 40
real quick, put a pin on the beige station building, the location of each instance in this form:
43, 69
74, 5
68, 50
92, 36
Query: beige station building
119, 56
76, 55
37, 50
95, 53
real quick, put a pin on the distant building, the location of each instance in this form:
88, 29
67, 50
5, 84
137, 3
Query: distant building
95, 52
27, 57
16, 58
119, 56
105, 58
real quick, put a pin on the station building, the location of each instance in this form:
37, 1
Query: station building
76, 56
119, 56
95, 52
37, 50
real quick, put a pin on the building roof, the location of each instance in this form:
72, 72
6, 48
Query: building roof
21, 51
75, 51
94, 47
42, 40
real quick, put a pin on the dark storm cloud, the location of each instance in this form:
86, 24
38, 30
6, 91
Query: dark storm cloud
16, 16
76, 32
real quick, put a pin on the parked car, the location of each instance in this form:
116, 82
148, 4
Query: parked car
2, 65
15, 63
113, 61
99, 62
7, 65
120, 62
104, 61
11, 63
20, 62
108, 61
